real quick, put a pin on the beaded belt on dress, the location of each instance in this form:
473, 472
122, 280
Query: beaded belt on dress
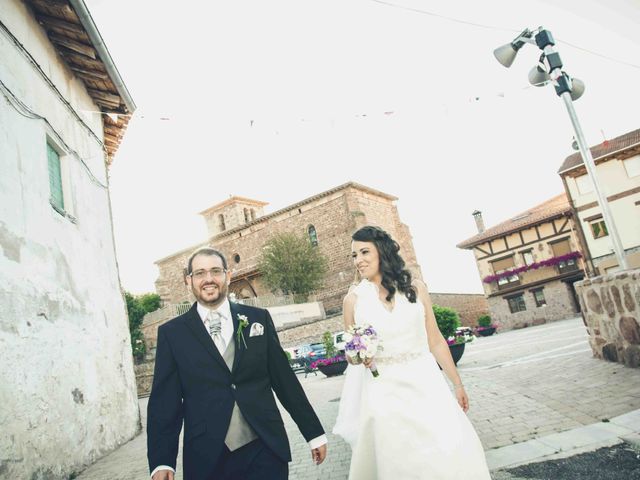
401, 358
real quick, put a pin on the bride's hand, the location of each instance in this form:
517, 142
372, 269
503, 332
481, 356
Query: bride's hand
353, 361
368, 362
463, 399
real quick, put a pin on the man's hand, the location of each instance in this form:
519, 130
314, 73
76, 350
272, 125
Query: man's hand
317, 455
163, 475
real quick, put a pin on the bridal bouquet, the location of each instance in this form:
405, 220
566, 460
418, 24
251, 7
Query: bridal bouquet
362, 343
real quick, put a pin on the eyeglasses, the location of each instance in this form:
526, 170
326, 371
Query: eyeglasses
202, 274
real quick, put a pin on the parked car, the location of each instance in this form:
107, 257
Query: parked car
313, 351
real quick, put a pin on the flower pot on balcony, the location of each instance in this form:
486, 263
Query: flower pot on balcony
333, 369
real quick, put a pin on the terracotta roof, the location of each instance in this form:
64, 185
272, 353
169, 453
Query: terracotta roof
605, 149
554, 207
72, 32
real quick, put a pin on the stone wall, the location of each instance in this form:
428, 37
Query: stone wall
144, 377
468, 305
611, 311
560, 305
309, 331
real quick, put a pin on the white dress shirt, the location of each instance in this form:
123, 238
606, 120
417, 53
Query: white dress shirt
226, 331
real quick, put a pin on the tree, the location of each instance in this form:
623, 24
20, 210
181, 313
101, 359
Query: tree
137, 308
447, 319
292, 265
150, 302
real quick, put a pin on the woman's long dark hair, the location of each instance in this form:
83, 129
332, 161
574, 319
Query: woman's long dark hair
394, 275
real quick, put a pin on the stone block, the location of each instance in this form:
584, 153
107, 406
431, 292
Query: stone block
628, 298
593, 301
630, 330
610, 352
631, 356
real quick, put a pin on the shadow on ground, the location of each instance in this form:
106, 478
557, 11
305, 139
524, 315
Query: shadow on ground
620, 462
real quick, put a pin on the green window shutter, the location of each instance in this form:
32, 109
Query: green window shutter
55, 178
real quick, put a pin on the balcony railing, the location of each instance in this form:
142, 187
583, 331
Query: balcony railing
567, 266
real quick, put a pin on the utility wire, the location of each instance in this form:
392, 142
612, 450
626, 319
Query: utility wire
20, 107
493, 27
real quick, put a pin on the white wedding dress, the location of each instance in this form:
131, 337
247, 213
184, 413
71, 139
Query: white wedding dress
406, 423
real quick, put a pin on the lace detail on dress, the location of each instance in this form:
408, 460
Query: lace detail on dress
400, 358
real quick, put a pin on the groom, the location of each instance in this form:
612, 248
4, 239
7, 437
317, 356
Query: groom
216, 367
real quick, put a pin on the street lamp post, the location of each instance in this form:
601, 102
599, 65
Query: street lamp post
549, 70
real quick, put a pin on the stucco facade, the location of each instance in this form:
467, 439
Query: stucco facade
618, 171
67, 386
543, 246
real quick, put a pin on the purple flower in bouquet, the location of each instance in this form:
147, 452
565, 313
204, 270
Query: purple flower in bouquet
362, 343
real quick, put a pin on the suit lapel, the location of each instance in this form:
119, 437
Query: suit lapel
235, 311
195, 324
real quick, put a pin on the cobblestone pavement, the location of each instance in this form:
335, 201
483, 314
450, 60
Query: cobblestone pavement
523, 384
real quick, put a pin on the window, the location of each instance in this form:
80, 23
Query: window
632, 166
246, 215
527, 257
221, 222
253, 214
502, 265
516, 304
584, 184
561, 247
599, 229
55, 179
313, 236
538, 296
236, 258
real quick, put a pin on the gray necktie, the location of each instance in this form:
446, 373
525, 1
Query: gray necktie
215, 330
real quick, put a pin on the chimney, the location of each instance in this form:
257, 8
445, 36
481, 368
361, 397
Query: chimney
477, 215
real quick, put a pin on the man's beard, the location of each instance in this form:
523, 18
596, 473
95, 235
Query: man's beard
222, 294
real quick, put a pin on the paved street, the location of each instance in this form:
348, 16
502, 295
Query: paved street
523, 384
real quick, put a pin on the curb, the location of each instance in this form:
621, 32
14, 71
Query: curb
568, 443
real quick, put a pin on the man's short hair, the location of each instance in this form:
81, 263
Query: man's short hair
208, 251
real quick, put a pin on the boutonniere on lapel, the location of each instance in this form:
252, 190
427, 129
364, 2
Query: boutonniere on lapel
243, 323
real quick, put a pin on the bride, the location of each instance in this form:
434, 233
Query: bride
405, 423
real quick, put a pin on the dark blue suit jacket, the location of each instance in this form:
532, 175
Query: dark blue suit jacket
192, 384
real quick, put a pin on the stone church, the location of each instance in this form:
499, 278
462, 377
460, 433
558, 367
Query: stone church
239, 228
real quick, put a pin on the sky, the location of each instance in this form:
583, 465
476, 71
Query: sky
281, 100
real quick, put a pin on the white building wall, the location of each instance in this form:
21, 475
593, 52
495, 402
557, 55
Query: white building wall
613, 179
67, 387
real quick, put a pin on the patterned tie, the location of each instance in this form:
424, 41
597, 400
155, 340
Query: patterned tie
215, 330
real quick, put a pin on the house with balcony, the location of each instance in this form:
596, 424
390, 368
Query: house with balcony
528, 264
618, 171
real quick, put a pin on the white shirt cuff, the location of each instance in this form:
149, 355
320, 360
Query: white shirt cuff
318, 441
162, 467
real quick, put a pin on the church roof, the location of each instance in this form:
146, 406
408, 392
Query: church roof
231, 200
